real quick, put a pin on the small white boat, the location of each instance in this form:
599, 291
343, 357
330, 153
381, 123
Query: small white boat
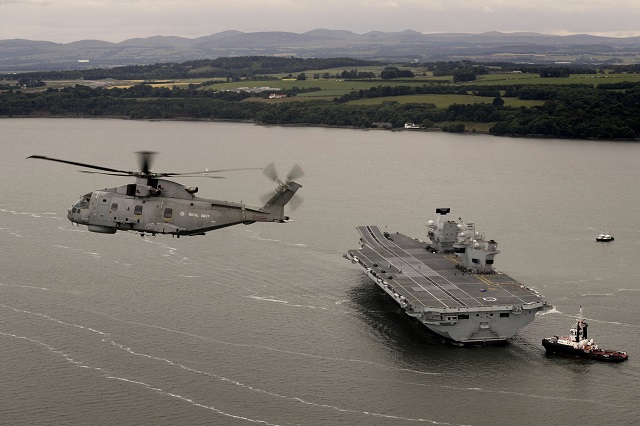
604, 237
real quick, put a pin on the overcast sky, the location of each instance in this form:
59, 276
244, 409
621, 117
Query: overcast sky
64, 21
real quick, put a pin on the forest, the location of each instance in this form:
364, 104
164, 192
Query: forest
231, 67
602, 111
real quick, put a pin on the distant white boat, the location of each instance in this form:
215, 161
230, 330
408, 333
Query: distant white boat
604, 237
411, 126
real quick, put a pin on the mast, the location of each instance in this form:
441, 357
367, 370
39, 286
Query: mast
581, 328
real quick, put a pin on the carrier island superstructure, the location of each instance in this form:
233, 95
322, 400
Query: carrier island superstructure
448, 283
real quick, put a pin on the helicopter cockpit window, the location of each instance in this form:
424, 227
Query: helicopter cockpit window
83, 202
137, 210
114, 207
168, 213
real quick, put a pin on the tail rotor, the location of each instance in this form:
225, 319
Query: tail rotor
295, 173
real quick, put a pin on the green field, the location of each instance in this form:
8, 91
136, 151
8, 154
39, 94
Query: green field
338, 87
443, 101
594, 79
334, 88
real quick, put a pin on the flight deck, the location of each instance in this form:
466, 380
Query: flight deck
434, 280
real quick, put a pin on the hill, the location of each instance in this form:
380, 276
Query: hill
26, 55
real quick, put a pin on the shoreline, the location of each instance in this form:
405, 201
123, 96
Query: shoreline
227, 120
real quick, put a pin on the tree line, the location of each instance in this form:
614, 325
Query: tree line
568, 112
232, 68
259, 67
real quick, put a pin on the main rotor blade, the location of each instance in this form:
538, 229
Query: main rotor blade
91, 166
105, 173
270, 172
198, 176
205, 172
145, 164
295, 172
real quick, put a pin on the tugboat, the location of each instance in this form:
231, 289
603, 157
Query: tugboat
580, 346
604, 237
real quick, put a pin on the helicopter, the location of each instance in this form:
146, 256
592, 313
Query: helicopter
154, 205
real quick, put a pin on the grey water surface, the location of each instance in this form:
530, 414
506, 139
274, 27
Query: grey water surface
267, 323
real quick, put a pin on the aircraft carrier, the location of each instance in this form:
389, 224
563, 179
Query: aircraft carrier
448, 283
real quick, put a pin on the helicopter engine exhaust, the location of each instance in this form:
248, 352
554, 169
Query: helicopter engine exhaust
191, 189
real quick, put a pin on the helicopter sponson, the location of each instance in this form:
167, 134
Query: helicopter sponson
154, 205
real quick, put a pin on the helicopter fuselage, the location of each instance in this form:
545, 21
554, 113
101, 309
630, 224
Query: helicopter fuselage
160, 206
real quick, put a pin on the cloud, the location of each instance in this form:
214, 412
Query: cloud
27, 2
117, 20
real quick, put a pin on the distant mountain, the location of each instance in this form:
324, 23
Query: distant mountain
339, 34
26, 55
158, 41
89, 44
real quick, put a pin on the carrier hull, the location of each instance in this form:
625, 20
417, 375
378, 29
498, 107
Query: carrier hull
461, 307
